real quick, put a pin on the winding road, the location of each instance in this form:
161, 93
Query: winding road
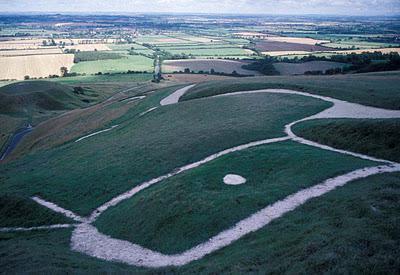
88, 240
17, 137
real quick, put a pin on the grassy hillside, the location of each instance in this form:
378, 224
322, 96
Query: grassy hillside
34, 96
373, 89
81, 176
379, 137
354, 228
18, 211
192, 207
32, 102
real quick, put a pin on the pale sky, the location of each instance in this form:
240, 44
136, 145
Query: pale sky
339, 7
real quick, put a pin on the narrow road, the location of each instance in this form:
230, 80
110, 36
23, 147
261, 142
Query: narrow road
15, 140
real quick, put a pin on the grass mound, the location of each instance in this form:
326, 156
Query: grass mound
374, 137
27, 96
373, 89
16, 211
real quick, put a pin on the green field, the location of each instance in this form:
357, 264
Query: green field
374, 137
95, 55
373, 89
131, 62
29, 97
188, 209
218, 52
108, 78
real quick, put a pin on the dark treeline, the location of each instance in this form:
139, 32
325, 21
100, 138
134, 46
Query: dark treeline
357, 63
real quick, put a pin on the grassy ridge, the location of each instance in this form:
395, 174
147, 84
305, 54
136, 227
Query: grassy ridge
374, 137
352, 229
19, 97
81, 176
188, 209
373, 89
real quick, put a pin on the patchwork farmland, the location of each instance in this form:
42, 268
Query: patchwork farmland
193, 143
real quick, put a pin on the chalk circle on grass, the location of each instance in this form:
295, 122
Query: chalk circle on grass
232, 179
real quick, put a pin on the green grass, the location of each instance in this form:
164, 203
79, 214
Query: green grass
95, 55
104, 78
186, 210
373, 137
18, 211
354, 229
26, 97
9, 125
130, 62
126, 47
48, 252
373, 89
81, 176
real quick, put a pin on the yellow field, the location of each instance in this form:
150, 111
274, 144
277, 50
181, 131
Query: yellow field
382, 50
17, 67
286, 53
300, 40
47, 50
251, 34
21, 44
89, 47
202, 39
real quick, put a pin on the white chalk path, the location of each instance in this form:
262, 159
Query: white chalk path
35, 228
59, 209
88, 240
340, 109
148, 111
132, 99
175, 96
129, 194
96, 133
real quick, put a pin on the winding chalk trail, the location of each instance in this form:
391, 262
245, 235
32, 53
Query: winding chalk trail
148, 111
96, 133
175, 96
88, 240
129, 194
132, 99
35, 228
58, 209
